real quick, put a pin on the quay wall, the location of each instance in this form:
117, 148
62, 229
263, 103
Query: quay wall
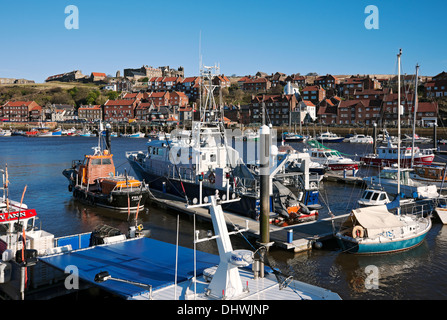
441, 132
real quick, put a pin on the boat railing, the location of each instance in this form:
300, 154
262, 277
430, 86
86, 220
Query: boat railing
76, 241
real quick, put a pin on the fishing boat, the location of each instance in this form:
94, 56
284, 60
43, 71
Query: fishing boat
333, 160
374, 229
360, 138
328, 137
94, 182
387, 155
202, 163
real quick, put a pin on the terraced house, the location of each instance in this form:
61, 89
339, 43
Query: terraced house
119, 110
21, 111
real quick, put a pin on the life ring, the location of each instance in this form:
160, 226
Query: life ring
212, 178
140, 227
357, 232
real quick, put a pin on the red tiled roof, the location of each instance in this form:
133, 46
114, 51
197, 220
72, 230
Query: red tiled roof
308, 103
98, 74
427, 107
119, 102
189, 79
310, 88
18, 103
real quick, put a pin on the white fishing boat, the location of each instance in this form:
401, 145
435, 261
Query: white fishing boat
374, 229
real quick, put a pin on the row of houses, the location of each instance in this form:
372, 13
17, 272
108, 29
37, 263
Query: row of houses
130, 106
372, 106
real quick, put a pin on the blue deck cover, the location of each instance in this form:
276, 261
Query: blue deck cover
141, 260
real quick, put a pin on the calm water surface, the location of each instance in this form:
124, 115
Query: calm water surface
38, 164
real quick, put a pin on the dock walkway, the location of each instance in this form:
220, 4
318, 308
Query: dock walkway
303, 234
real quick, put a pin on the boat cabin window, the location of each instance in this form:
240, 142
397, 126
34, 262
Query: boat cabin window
388, 175
367, 195
95, 162
375, 196
106, 161
382, 196
212, 157
4, 227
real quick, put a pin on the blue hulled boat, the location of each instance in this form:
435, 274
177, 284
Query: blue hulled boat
374, 229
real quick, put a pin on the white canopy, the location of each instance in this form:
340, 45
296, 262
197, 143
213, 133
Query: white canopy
376, 219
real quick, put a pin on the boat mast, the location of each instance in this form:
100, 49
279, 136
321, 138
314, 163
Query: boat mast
414, 113
398, 126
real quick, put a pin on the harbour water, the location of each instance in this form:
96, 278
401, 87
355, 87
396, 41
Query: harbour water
38, 164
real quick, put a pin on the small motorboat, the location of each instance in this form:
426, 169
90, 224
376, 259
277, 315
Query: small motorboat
373, 197
329, 137
360, 138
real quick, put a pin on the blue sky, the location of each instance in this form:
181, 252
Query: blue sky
243, 36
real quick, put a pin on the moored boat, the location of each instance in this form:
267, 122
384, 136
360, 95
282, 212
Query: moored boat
374, 229
198, 163
94, 182
388, 155
388, 179
360, 138
433, 174
328, 137
333, 160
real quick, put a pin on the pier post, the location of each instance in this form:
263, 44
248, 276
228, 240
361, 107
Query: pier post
375, 138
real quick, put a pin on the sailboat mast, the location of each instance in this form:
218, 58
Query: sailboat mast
414, 113
398, 121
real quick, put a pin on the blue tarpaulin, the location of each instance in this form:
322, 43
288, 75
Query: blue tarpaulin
141, 260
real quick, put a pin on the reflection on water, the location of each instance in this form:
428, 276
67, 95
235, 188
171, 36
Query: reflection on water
38, 163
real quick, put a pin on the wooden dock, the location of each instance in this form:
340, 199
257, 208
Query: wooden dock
302, 236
